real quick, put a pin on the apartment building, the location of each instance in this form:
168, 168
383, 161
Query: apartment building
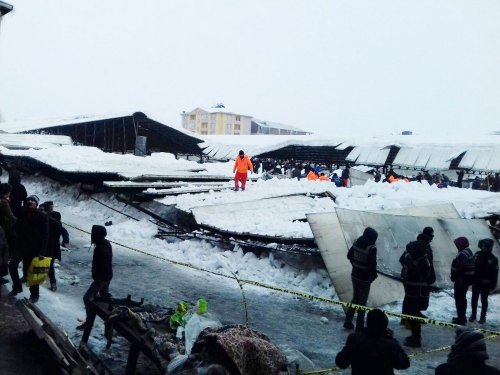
219, 120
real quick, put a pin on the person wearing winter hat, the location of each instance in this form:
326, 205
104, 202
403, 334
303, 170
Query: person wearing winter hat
485, 277
373, 350
363, 257
242, 165
462, 274
102, 269
32, 229
468, 355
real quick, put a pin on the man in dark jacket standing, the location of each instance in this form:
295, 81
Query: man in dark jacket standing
462, 274
102, 268
53, 247
373, 350
416, 275
32, 230
363, 257
485, 278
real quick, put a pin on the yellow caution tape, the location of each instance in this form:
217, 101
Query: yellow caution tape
298, 293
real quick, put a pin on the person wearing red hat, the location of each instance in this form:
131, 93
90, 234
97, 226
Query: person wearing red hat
462, 274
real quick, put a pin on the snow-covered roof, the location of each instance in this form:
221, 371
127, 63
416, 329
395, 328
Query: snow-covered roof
277, 125
482, 152
5, 8
35, 124
218, 110
36, 141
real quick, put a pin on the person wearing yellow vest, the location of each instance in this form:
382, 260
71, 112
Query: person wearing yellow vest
241, 166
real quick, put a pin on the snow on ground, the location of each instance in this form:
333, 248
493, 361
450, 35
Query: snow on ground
230, 211
66, 305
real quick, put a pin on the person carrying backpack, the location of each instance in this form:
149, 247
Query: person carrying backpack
485, 278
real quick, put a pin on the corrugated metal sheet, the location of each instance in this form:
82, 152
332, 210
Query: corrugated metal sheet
354, 154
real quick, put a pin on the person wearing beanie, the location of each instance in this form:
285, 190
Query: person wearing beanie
468, 355
32, 230
462, 275
373, 350
485, 278
363, 257
102, 270
242, 165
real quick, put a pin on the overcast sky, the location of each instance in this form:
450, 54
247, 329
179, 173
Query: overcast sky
332, 67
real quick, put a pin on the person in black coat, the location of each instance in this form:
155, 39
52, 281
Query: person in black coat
373, 350
32, 229
53, 247
416, 275
363, 257
467, 356
19, 194
462, 275
102, 268
485, 278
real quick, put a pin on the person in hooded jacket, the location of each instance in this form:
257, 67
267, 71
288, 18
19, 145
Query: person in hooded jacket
102, 268
363, 257
462, 274
468, 355
32, 229
53, 247
373, 350
485, 278
416, 275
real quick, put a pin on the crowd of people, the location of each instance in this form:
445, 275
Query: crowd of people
374, 350
299, 169
28, 230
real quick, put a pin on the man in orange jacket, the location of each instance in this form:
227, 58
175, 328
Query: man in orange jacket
241, 166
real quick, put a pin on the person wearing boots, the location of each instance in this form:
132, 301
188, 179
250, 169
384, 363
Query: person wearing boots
417, 276
102, 269
363, 257
242, 165
373, 350
32, 228
462, 274
485, 278
53, 247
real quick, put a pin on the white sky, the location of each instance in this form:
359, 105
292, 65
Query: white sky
327, 66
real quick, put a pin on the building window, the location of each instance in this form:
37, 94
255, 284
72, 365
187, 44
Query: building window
204, 116
204, 132
192, 117
238, 118
236, 127
204, 125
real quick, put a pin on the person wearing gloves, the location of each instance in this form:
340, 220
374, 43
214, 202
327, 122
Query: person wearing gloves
241, 166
